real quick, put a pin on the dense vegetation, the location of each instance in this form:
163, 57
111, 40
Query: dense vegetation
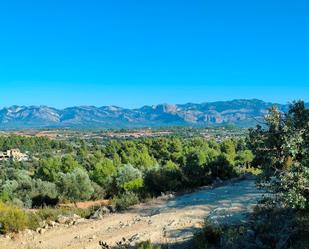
281, 149
127, 170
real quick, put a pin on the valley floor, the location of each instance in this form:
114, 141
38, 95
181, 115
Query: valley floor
160, 221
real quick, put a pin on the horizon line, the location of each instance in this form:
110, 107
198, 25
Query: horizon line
151, 105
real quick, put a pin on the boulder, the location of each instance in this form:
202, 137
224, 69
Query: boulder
52, 223
28, 232
41, 230
78, 221
62, 219
68, 220
111, 208
100, 213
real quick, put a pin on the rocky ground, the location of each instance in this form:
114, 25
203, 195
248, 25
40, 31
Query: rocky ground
163, 220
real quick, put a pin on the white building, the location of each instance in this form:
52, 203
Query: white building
13, 154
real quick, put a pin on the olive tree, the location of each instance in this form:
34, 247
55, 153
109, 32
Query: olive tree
75, 186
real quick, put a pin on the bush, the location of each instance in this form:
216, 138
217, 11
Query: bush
158, 181
126, 245
250, 170
126, 177
223, 167
27, 192
98, 191
34, 221
12, 219
267, 228
75, 186
208, 237
134, 185
44, 193
125, 200
47, 213
147, 245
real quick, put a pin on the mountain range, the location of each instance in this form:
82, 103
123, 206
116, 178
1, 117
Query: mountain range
241, 112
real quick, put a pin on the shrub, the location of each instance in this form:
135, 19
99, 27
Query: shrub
34, 220
47, 213
133, 185
98, 191
244, 158
28, 192
158, 181
75, 186
7, 190
250, 170
125, 200
223, 167
267, 228
12, 219
44, 193
208, 237
128, 177
147, 245
126, 245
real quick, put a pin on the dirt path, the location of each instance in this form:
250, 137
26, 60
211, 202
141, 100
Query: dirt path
160, 221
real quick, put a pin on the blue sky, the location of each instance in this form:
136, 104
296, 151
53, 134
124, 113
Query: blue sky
132, 53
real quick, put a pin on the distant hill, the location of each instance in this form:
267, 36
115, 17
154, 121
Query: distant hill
241, 112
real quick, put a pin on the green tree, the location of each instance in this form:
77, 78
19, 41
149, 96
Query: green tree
195, 166
69, 164
49, 169
128, 176
75, 186
244, 158
228, 147
282, 151
103, 171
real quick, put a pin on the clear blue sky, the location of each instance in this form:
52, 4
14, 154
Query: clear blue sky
130, 53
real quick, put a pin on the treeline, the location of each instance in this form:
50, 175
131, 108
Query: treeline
126, 171
32, 144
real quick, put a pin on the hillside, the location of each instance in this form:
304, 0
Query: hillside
242, 113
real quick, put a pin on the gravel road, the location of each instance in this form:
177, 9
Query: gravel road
161, 221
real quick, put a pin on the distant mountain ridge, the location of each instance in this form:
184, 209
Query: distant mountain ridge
240, 112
